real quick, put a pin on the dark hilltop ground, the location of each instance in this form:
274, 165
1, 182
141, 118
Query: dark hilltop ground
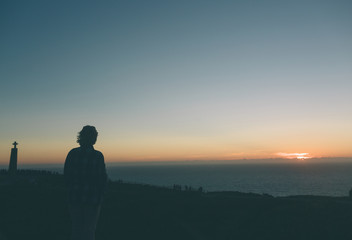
33, 206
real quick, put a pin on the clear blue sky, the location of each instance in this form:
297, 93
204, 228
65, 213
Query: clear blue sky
176, 80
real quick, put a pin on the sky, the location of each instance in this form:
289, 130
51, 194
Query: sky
176, 80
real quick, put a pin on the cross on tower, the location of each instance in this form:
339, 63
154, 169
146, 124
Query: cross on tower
15, 144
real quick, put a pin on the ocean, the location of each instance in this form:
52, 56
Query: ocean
275, 179
325, 179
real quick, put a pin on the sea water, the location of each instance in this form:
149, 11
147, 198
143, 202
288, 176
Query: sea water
274, 179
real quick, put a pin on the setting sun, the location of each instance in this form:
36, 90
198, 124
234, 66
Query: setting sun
300, 156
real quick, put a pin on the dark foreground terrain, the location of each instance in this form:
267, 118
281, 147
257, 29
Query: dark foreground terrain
32, 206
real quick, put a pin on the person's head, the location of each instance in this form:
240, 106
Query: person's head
87, 136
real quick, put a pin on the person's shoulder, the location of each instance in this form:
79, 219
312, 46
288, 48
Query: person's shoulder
72, 154
98, 153
73, 150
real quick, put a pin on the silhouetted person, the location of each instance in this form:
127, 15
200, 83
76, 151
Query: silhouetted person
86, 178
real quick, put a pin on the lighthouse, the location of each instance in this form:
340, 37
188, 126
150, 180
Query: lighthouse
13, 159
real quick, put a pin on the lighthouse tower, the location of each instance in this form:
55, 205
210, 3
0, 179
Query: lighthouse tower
13, 159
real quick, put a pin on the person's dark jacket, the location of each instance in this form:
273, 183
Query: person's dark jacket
85, 175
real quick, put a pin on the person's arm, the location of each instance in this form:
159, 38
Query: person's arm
68, 168
102, 173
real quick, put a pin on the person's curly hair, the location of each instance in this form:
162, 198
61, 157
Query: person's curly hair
87, 136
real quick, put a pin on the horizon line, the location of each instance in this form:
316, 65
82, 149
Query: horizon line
285, 160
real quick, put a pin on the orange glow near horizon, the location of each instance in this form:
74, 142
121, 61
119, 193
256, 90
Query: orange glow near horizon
141, 150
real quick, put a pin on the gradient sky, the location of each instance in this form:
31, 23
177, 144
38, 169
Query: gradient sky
176, 80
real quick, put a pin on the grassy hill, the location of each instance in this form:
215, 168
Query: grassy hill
33, 206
